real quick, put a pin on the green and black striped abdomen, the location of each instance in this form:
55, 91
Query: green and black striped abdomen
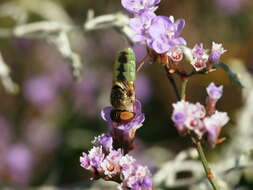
125, 66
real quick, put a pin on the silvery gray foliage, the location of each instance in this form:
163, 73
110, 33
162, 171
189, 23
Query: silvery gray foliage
9, 85
118, 21
55, 28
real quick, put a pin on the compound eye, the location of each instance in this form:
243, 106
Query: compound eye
126, 116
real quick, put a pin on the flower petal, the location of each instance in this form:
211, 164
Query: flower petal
105, 113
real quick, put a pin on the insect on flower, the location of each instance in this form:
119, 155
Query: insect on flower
123, 90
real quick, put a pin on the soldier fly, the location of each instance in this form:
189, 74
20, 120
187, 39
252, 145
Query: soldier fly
123, 90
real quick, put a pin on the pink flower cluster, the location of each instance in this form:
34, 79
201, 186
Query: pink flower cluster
162, 35
199, 120
200, 57
110, 164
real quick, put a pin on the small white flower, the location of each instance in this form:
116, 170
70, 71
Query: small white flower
96, 156
214, 92
110, 165
127, 165
218, 47
214, 124
200, 57
217, 51
176, 54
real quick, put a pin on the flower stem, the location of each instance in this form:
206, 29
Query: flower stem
173, 82
205, 164
183, 89
199, 148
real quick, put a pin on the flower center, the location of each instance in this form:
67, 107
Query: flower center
170, 34
110, 167
140, 6
147, 24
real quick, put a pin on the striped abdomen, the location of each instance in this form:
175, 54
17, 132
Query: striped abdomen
125, 66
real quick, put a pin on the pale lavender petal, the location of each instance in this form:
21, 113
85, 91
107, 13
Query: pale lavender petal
139, 6
214, 92
105, 113
139, 38
159, 26
136, 24
180, 23
178, 41
160, 47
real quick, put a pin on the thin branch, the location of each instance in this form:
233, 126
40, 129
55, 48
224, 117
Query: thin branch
197, 143
142, 62
173, 83
239, 167
202, 157
183, 89
40, 27
61, 41
117, 21
9, 85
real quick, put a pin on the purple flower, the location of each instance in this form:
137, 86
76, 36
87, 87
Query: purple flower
230, 7
195, 114
187, 116
103, 140
200, 57
214, 92
127, 164
176, 54
135, 123
110, 164
40, 91
140, 25
113, 164
214, 124
217, 51
124, 133
92, 161
179, 114
165, 33
19, 164
96, 156
42, 136
139, 6
85, 161
140, 179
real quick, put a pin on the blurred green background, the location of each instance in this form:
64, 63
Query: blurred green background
45, 127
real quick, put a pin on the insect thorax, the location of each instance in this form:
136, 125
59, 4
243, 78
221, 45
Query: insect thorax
123, 96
